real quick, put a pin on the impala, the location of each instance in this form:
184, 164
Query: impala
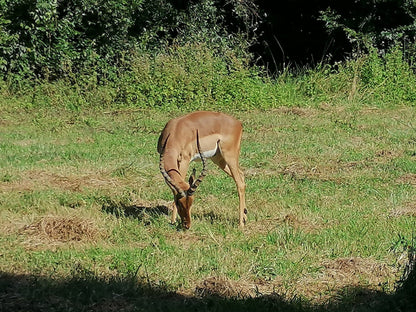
198, 136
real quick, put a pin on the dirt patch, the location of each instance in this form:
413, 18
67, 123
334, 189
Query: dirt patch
344, 273
40, 179
55, 229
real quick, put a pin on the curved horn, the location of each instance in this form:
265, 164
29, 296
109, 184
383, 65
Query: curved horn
168, 179
196, 183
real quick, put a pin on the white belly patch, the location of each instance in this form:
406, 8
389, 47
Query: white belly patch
206, 154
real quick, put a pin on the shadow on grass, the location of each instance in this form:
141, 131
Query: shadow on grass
87, 292
139, 212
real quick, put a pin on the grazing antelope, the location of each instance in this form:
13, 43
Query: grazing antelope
198, 136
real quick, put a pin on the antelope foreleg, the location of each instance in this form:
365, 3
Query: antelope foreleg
238, 177
174, 213
242, 206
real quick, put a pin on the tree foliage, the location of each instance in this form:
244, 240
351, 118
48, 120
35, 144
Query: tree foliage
51, 38
375, 23
305, 32
56, 38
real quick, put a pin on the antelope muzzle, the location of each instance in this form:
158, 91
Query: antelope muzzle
183, 205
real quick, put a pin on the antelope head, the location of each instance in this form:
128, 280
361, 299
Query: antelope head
183, 192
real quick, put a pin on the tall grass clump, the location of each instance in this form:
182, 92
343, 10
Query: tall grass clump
380, 71
373, 78
388, 79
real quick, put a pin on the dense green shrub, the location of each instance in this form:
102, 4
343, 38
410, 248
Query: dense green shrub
184, 77
192, 76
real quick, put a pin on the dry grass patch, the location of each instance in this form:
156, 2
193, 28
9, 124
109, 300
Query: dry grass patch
265, 226
385, 156
408, 209
344, 273
262, 226
332, 169
222, 287
185, 240
56, 230
298, 111
41, 179
409, 178
307, 226
226, 288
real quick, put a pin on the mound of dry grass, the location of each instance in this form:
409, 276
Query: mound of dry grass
62, 229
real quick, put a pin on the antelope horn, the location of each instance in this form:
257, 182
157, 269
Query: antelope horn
196, 183
168, 179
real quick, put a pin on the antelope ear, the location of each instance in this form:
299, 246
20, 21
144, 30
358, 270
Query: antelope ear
192, 177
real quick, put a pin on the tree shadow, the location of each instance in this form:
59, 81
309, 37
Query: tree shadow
85, 291
363, 299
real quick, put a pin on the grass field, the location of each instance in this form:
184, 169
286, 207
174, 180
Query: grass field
84, 222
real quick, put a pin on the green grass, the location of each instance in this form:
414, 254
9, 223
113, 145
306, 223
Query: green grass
324, 185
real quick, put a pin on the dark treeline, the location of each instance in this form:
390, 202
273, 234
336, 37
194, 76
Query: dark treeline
52, 39
307, 32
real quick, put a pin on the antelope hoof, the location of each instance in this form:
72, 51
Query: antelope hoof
243, 221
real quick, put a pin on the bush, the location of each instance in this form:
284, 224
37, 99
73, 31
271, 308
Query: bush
192, 76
